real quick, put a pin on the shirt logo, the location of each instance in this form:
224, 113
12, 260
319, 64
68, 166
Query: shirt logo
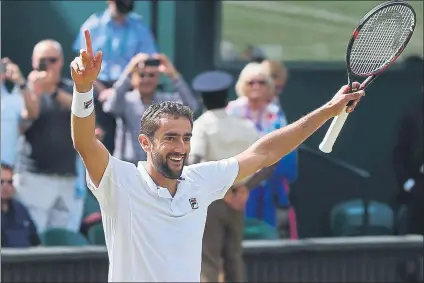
193, 203
87, 104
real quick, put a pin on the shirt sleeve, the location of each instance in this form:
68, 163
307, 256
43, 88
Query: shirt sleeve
214, 177
110, 190
147, 42
79, 39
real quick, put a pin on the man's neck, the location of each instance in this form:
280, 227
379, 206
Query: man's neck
118, 18
147, 99
160, 180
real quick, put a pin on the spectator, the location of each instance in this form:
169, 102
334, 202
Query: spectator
46, 177
135, 90
17, 228
120, 34
286, 171
11, 109
255, 89
216, 136
409, 168
278, 72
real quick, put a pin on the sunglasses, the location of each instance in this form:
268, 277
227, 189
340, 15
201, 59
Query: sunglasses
10, 182
258, 82
49, 60
147, 75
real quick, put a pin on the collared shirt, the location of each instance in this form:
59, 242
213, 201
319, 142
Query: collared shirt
128, 106
119, 42
12, 105
17, 228
150, 235
216, 135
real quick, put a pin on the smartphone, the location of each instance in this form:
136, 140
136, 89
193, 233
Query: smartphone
42, 65
2, 68
152, 62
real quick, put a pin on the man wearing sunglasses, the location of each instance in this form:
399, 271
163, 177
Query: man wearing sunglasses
136, 89
46, 179
17, 228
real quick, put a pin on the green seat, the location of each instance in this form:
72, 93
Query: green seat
347, 219
62, 237
255, 229
380, 219
91, 204
96, 235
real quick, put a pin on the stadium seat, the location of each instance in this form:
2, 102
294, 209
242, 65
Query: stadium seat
96, 235
62, 237
347, 219
255, 229
380, 219
90, 205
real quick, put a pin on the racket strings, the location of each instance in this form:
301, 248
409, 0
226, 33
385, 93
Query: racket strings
380, 39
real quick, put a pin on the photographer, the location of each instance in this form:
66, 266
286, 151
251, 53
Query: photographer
46, 177
11, 108
142, 75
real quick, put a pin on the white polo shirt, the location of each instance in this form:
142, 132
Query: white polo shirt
150, 235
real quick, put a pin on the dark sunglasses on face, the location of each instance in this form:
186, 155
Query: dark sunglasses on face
10, 182
148, 75
49, 60
259, 82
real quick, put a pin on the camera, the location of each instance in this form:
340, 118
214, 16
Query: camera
152, 62
42, 65
2, 68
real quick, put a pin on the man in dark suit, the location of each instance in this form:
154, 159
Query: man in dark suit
409, 168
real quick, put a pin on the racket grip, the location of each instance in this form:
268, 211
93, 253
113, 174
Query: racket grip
333, 132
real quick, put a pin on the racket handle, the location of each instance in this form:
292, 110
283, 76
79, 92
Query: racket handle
333, 132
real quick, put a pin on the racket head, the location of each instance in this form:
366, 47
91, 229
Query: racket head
381, 36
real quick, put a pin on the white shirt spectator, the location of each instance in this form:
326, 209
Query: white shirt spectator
150, 235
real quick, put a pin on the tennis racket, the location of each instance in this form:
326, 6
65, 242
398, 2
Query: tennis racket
377, 42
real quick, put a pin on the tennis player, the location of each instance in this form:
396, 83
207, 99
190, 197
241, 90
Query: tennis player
154, 214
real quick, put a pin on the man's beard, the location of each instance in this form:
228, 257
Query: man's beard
162, 166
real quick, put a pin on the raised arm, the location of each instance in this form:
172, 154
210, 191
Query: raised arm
273, 146
84, 71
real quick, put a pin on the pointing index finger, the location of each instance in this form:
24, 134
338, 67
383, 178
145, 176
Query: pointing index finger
88, 45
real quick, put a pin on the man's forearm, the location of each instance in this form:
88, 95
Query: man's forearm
277, 144
32, 103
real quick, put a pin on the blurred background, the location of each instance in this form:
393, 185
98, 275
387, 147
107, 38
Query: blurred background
356, 214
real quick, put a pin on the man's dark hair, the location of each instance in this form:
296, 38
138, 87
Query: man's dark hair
150, 121
215, 100
5, 166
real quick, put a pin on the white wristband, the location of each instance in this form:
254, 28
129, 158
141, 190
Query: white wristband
82, 103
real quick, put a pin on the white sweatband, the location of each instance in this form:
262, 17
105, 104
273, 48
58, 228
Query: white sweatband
82, 103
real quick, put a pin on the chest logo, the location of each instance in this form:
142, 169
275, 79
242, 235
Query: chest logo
193, 203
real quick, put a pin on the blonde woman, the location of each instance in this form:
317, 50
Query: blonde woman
255, 89
269, 202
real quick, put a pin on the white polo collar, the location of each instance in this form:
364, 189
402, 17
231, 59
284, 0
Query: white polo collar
158, 190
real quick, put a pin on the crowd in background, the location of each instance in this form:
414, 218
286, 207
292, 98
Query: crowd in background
43, 179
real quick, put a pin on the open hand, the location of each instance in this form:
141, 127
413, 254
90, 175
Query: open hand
339, 102
86, 67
